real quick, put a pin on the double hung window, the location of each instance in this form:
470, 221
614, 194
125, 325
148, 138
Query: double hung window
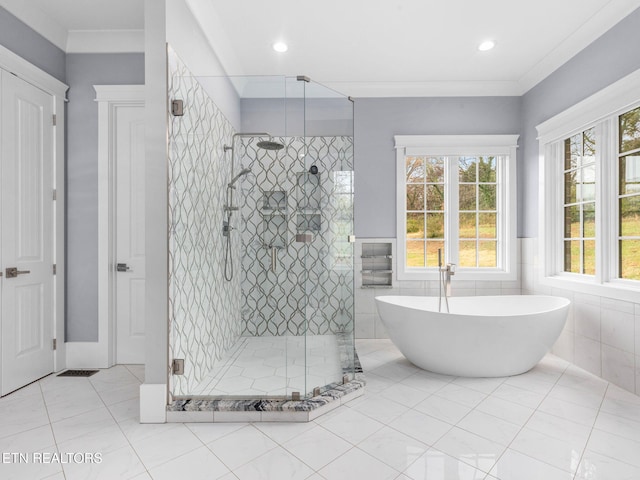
628, 195
590, 192
456, 195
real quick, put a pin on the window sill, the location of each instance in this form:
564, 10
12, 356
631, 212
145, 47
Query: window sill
617, 290
495, 275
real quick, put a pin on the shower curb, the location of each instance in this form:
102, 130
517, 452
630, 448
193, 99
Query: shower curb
265, 410
270, 410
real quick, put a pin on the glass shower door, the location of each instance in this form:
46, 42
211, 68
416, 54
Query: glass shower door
327, 185
282, 323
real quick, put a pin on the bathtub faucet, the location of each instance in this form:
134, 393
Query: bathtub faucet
446, 272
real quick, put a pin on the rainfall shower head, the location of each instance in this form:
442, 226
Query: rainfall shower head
265, 144
244, 171
270, 145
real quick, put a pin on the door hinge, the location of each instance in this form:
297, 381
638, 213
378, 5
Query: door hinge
177, 108
55, 344
55, 120
177, 366
54, 269
55, 194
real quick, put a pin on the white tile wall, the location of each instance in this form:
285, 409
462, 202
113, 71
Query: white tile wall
587, 354
368, 323
618, 330
602, 334
589, 324
618, 367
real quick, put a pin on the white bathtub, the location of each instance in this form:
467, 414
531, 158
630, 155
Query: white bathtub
482, 336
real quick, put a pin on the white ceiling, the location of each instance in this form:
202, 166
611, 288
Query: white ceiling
361, 47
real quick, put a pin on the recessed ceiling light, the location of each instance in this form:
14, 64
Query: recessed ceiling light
486, 45
280, 47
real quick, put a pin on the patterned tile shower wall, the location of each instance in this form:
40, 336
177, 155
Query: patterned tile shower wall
309, 290
204, 308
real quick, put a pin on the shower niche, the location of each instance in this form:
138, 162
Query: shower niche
308, 203
273, 210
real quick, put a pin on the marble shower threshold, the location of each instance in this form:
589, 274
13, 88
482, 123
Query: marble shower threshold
203, 409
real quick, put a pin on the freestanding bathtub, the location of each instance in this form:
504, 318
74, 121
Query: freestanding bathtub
492, 336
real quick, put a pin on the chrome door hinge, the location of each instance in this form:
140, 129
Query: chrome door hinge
55, 194
177, 366
177, 108
55, 120
54, 269
55, 344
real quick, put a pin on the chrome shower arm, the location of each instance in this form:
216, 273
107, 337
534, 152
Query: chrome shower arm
244, 134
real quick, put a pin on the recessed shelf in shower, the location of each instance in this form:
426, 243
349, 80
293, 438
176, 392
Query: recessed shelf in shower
274, 218
308, 206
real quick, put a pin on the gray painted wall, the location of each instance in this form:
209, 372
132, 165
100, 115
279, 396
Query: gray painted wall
377, 120
80, 72
291, 117
608, 59
83, 71
30, 45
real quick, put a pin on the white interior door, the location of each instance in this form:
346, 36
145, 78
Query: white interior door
130, 218
26, 232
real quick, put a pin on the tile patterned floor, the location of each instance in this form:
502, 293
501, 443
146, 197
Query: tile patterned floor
274, 366
554, 422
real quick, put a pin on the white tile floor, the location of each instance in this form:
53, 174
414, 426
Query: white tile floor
554, 422
274, 366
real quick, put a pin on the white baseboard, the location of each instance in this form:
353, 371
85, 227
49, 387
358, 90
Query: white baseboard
153, 403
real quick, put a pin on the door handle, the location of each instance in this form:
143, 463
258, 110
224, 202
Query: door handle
13, 272
122, 267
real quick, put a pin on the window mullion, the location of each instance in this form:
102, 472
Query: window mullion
604, 144
452, 233
501, 211
558, 200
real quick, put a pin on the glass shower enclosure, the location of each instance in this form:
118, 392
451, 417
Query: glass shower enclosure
260, 236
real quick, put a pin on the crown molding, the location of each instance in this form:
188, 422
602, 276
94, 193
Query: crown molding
425, 89
606, 18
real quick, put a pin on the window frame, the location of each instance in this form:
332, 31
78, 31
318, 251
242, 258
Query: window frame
456, 146
580, 201
601, 111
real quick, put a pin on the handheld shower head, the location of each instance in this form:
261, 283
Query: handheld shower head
242, 172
